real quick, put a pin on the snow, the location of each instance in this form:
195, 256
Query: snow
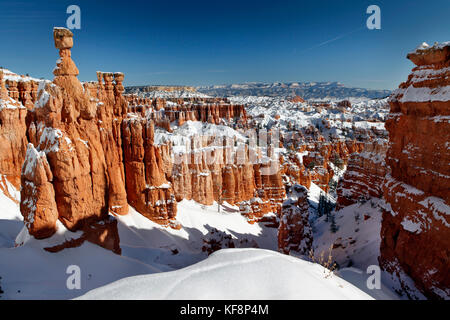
43, 96
181, 136
170, 94
11, 221
425, 46
424, 94
146, 248
9, 75
422, 73
10, 104
51, 138
414, 227
159, 253
439, 208
364, 114
357, 244
235, 274
31, 159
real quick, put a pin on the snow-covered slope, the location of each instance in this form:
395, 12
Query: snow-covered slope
355, 245
158, 254
9, 75
332, 122
29, 272
236, 274
170, 249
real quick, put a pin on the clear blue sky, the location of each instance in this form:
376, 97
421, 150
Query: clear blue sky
217, 42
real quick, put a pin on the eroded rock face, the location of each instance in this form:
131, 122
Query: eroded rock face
103, 233
147, 187
76, 138
416, 223
13, 140
38, 205
211, 110
295, 232
365, 174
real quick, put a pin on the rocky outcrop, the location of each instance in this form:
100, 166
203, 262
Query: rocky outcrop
297, 99
13, 140
75, 153
364, 176
180, 110
416, 221
311, 161
268, 193
344, 104
103, 233
147, 187
295, 232
38, 205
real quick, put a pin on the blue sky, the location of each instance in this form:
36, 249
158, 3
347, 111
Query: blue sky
217, 42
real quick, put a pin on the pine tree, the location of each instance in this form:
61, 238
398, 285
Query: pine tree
333, 227
320, 208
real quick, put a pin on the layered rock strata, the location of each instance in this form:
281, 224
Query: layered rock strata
13, 141
364, 176
73, 171
415, 230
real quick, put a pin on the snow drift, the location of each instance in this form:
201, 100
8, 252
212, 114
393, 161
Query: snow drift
235, 274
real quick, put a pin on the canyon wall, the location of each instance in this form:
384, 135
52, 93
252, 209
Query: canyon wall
13, 141
416, 221
364, 176
295, 232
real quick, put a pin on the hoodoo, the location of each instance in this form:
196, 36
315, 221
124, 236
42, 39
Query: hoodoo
73, 170
12, 135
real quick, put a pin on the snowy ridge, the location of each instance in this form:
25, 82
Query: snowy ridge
425, 47
9, 75
170, 94
331, 121
235, 274
306, 90
422, 94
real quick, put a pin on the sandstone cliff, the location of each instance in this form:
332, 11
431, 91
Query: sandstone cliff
416, 222
73, 171
294, 232
13, 141
364, 175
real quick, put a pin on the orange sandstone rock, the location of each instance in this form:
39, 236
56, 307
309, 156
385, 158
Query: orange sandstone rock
415, 230
79, 135
294, 232
364, 176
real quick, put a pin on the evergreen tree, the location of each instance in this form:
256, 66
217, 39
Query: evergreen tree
320, 208
333, 227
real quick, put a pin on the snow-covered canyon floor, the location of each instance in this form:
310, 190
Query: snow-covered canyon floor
162, 263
